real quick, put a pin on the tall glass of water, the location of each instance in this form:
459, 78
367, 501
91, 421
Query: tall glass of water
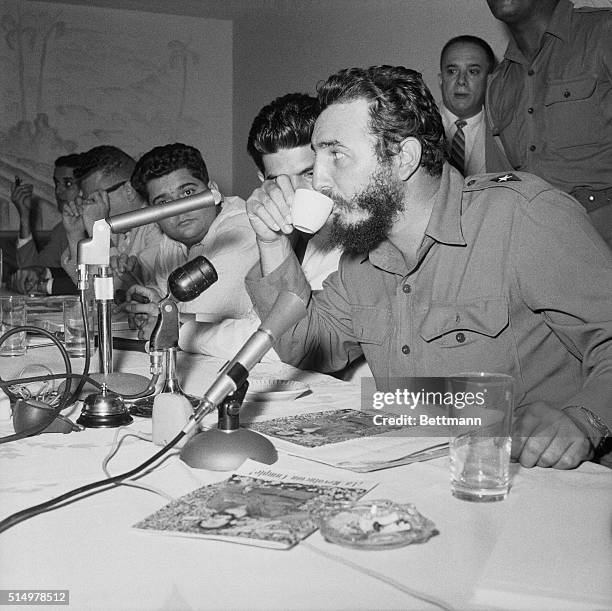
13, 315
480, 443
74, 327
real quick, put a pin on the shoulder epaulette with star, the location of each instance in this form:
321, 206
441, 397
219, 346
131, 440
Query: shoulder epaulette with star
524, 183
505, 178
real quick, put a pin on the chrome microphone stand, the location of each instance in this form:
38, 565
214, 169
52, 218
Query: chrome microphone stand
96, 252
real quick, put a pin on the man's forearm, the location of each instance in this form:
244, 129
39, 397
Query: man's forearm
27, 254
272, 254
25, 230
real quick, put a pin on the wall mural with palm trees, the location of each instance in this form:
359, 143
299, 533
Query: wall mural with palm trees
73, 77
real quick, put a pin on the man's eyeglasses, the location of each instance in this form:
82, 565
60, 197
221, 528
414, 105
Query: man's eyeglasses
108, 191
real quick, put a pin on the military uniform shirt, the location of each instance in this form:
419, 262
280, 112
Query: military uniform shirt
501, 284
554, 116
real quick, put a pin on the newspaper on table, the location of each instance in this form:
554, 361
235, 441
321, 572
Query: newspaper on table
349, 439
260, 506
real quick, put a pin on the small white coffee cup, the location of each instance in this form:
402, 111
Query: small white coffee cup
310, 210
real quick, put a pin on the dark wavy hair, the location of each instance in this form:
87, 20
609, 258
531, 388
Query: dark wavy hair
401, 106
163, 160
72, 161
286, 123
110, 160
473, 40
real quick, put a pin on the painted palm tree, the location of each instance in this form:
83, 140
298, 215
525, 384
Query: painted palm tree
180, 56
57, 28
17, 35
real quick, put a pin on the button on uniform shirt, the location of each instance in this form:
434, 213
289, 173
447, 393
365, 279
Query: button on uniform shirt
474, 131
554, 116
501, 284
230, 246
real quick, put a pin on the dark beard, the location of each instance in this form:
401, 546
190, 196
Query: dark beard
383, 199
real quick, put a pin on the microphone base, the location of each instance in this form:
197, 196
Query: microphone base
117, 381
220, 450
104, 421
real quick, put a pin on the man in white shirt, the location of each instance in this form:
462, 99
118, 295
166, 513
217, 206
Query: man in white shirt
465, 63
222, 234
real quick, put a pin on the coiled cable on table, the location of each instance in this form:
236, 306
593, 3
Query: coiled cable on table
67, 398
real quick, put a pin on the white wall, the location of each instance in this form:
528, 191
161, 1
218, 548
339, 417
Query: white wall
81, 76
281, 46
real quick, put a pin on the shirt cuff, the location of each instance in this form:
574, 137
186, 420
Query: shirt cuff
264, 290
596, 397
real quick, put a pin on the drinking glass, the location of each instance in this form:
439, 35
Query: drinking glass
74, 327
480, 443
13, 314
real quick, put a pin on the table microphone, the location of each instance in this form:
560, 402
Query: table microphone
229, 445
288, 309
189, 281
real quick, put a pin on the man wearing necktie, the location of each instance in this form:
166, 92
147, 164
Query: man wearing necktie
465, 63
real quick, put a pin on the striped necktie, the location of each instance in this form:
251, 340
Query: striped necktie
457, 149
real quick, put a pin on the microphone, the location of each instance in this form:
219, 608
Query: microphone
288, 309
120, 223
185, 283
189, 281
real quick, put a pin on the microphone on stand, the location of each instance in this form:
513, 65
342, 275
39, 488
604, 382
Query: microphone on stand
222, 449
96, 251
189, 281
120, 223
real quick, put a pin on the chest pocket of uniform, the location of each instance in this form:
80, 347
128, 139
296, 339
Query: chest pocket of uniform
459, 325
572, 113
371, 325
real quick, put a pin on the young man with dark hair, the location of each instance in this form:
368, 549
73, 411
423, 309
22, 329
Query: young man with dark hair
222, 234
285, 124
442, 275
105, 190
279, 143
40, 269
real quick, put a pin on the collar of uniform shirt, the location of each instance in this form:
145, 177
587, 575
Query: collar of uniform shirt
444, 225
559, 27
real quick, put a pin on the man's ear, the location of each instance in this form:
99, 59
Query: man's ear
214, 189
260, 176
440, 80
131, 193
408, 158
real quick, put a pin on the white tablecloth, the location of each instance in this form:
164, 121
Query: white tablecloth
547, 546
